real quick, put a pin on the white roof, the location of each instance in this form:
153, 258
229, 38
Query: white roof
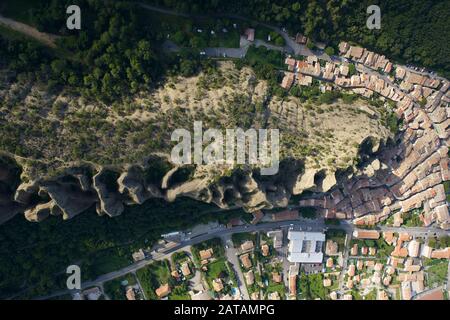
305, 247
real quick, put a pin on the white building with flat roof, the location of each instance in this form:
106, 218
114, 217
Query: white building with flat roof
305, 247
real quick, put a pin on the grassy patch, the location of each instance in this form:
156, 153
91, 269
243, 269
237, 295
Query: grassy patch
114, 288
437, 274
153, 276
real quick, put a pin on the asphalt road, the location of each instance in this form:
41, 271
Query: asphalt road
303, 224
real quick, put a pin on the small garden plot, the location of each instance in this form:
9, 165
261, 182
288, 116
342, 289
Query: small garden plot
116, 289
437, 274
153, 276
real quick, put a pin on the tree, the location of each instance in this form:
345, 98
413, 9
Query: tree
329, 51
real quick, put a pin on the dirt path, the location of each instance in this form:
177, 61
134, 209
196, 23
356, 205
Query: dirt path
44, 38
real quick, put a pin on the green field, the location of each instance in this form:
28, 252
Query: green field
437, 274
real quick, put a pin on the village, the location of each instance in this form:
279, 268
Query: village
380, 235
286, 256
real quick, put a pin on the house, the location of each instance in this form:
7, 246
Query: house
333, 295
351, 270
291, 62
217, 285
366, 234
277, 236
130, 294
246, 262
382, 295
354, 250
265, 250
327, 283
247, 245
364, 251
406, 290
413, 248
254, 296
250, 34
285, 215
257, 216
276, 277
426, 251
356, 52
288, 80
330, 263
304, 80
92, 293
300, 39
249, 277
293, 284
441, 254
435, 294
344, 70
175, 274
349, 283
331, 248
138, 255
206, 254
185, 269
163, 291
359, 265
305, 247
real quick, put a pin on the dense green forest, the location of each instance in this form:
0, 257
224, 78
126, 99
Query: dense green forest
115, 54
412, 31
33, 256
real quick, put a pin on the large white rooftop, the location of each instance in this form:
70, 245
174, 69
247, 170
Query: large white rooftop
305, 247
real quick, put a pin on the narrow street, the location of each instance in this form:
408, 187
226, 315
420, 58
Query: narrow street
230, 253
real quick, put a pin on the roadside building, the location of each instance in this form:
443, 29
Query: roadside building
285, 215
246, 262
305, 247
249, 277
257, 216
331, 248
206, 254
247, 245
163, 291
366, 234
413, 248
277, 236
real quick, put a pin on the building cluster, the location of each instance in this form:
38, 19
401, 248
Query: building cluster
407, 176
